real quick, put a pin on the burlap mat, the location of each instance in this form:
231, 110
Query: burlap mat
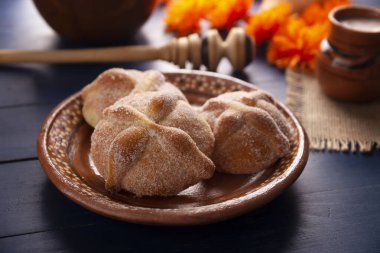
331, 124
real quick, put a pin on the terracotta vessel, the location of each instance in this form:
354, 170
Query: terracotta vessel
355, 29
348, 64
95, 22
348, 78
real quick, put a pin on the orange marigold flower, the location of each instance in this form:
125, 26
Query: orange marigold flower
183, 16
262, 26
318, 12
296, 44
225, 13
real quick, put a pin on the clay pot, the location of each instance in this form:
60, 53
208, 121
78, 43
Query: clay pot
95, 22
348, 78
348, 64
355, 30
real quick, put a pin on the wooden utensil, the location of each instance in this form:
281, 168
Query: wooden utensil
237, 47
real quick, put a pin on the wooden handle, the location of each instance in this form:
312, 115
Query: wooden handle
112, 54
238, 48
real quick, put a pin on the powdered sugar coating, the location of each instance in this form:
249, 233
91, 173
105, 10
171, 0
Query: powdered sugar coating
151, 141
113, 84
169, 108
134, 153
250, 133
108, 87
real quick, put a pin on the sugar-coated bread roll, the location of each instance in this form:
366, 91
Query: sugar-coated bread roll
148, 139
113, 84
105, 90
136, 154
149, 93
251, 134
168, 108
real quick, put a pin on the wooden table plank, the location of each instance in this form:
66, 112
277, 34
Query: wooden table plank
342, 197
282, 226
30, 204
19, 130
331, 171
28, 199
28, 86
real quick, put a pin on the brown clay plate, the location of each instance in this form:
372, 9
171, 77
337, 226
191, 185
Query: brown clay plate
63, 150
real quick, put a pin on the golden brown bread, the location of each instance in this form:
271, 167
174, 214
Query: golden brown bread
251, 134
148, 139
113, 84
168, 108
150, 142
148, 159
108, 87
148, 92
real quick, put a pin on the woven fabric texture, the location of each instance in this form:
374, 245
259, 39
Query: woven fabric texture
331, 124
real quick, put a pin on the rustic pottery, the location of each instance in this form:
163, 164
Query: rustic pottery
96, 22
348, 64
63, 150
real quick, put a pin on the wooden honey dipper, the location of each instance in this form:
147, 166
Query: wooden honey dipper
237, 47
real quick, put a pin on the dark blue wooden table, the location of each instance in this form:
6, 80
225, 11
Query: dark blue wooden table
333, 207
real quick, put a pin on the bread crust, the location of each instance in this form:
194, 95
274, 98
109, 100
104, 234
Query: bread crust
148, 159
147, 139
251, 134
